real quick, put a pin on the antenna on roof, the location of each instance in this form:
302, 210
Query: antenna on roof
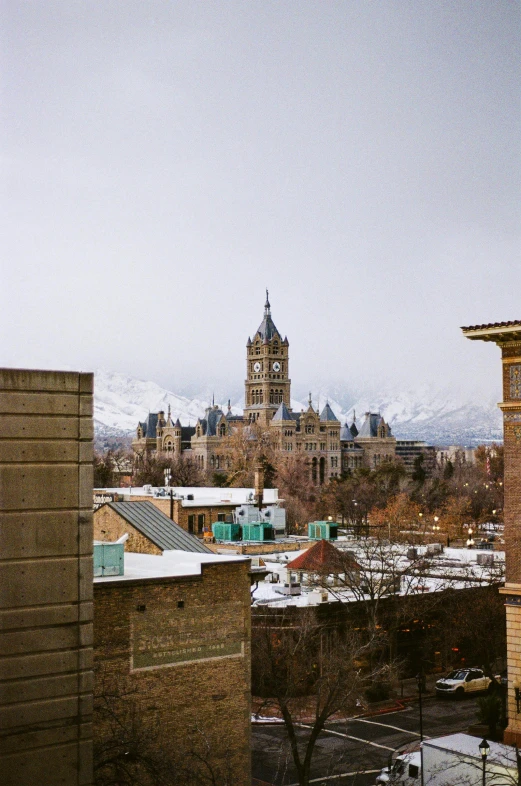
213, 399
354, 415
309, 399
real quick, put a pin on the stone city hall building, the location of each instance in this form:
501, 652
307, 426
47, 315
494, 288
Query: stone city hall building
331, 449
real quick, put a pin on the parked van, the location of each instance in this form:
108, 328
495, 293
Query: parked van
405, 769
454, 760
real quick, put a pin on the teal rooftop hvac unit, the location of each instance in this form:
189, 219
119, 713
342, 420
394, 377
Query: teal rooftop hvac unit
223, 530
322, 530
259, 531
109, 559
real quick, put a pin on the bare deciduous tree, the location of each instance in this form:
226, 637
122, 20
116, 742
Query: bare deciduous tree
130, 748
184, 471
311, 669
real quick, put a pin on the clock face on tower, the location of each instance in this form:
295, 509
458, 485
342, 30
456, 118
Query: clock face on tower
257, 366
276, 366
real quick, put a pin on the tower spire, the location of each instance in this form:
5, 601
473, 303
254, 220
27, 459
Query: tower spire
267, 305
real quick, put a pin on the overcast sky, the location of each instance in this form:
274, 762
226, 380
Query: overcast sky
164, 162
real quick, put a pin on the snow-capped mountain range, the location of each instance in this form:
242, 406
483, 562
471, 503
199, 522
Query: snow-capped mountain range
439, 417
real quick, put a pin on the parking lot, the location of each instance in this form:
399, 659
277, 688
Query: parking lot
352, 752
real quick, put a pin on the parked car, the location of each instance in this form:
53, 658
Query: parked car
462, 681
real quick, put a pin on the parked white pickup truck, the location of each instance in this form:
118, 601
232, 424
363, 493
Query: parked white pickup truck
461, 681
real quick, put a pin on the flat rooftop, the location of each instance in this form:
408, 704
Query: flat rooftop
469, 746
170, 564
202, 495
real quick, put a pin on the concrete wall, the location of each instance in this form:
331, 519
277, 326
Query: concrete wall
46, 674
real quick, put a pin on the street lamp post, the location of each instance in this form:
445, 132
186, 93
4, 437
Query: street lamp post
420, 679
168, 476
484, 749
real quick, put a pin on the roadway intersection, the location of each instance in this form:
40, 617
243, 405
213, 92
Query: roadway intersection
352, 752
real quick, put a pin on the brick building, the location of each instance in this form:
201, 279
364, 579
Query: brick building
195, 509
507, 335
330, 448
172, 649
149, 530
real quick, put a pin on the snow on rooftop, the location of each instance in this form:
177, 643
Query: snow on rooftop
201, 494
170, 563
469, 746
455, 568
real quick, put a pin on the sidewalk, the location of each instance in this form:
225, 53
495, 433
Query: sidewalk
405, 692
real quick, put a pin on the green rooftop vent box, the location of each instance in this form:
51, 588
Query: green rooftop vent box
322, 530
109, 558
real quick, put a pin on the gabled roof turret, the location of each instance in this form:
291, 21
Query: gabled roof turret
346, 434
328, 414
373, 421
282, 413
149, 427
211, 421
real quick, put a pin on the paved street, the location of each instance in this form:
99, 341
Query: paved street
351, 753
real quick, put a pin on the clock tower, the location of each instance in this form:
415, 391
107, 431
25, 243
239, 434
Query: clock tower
267, 372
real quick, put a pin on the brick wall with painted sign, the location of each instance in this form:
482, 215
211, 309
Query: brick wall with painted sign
177, 651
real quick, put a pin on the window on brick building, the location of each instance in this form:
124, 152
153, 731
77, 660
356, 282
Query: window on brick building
191, 523
200, 522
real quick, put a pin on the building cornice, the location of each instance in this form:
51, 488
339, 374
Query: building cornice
501, 333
